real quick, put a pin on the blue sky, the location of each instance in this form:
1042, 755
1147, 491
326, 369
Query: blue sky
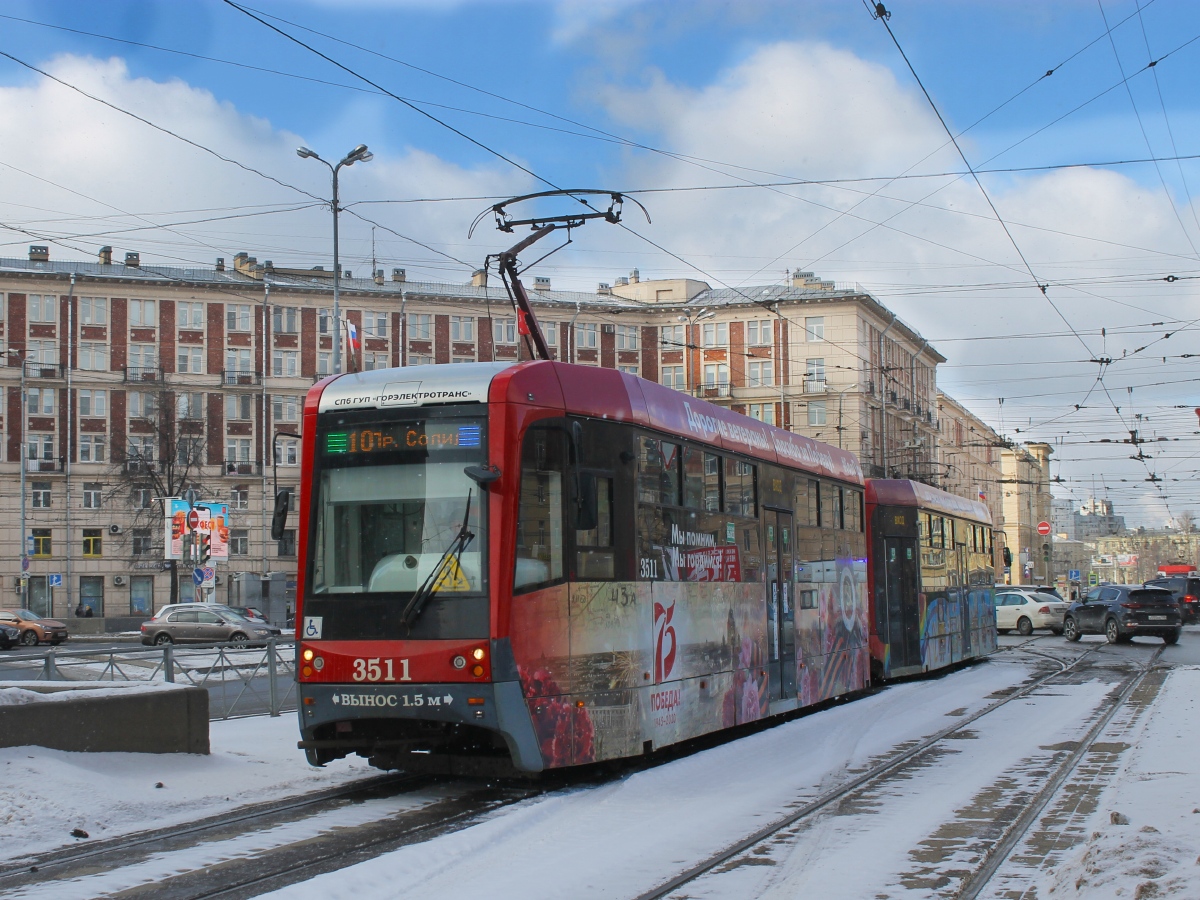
736, 92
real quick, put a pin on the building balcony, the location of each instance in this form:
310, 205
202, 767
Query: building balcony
234, 467
815, 386
241, 377
713, 392
42, 466
144, 374
34, 369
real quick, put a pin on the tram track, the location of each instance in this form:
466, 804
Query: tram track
848, 788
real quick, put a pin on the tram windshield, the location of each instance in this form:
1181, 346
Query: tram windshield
391, 499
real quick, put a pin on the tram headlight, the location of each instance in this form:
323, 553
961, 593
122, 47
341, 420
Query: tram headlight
459, 662
477, 671
308, 655
478, 654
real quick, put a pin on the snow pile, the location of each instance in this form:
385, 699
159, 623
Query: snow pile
19, 697
1143, 835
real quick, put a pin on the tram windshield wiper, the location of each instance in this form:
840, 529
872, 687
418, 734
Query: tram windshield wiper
420, 597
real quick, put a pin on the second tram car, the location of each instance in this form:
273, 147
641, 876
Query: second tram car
930, 578
547, 565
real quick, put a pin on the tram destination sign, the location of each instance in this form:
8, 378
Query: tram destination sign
429, 436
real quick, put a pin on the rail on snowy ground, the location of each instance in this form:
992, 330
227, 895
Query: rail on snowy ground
239, 680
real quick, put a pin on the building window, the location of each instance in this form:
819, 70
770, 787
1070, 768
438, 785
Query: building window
814, 370
39, 492
91, 448
716, 375
93, 356
419, 327
42, 542
237, 450
189, 451
239, 542
237, 317
628, 370
420, 360
586, 336
93, 542
285, 362
141, 595
239, 497
190, 315
715, 334
505, 330
325, 362
372, 361
189, 406
324, 321
93, 493
41, 353
764, 412
285, 408
142, 541
627, 337
814, 328
93, 310
40, 446
93, 403
287, 544
91, 591
758, 334
141, 314
285, 320
142, 357
43, 308
462, 359
142, 405
238, 407
287, 452
550, 333
760, 373
141, 448
672, 336
39, 401
141, 498
816, 412
191, 359
237, 362
374, 324
672, 377
462, 328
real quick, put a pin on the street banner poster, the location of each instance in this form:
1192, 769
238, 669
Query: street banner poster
213, 519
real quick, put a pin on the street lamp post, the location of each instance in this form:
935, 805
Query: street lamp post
358, 154
23, 457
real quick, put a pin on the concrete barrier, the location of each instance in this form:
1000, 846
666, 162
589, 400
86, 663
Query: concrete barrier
104, 716
106, 625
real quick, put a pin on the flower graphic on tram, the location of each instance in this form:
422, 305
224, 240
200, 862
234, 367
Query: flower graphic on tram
565, 733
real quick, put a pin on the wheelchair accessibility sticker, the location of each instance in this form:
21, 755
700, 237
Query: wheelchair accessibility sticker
312, 627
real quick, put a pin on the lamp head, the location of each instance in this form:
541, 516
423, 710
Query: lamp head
305, 153
358, 154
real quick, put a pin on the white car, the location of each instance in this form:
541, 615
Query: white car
1027, 610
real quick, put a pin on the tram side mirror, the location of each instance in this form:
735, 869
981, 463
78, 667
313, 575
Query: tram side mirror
283, 499
576, 442
586, 514
481, 475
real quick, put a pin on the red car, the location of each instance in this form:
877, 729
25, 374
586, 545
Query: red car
34, 629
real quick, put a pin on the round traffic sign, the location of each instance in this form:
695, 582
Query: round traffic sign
193, 520
1043, 528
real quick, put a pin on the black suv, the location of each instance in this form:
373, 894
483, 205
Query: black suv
1122, 611
1187, 593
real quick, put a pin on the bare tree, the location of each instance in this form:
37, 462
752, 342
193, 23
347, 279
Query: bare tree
1186, 521
162, 458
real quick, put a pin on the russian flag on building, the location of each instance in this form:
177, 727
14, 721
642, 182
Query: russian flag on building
352, 342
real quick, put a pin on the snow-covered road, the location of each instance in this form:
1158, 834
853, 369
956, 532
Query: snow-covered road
904, 836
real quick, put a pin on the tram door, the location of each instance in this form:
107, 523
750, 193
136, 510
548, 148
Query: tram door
903, 617
781, 610
962, 564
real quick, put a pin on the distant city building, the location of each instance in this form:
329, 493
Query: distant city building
1087, 521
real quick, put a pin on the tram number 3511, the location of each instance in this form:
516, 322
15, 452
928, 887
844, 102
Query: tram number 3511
380, 670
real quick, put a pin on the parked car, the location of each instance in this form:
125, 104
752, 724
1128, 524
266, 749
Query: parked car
33, 628
1186, 590
1121, 612
203, 623
9, 636
1027, 610
249, 612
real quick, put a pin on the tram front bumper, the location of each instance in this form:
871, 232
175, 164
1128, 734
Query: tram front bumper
498, 707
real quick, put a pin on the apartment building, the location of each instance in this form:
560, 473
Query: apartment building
969, 453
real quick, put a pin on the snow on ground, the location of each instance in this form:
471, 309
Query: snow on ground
1145, 833
621, 838
44, 794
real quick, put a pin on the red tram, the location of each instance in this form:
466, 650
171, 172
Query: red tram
547, 565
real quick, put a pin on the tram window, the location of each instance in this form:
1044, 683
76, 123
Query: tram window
853, 511
814, 502
594, 555
831, 506
693, 478
540, 515
712, 482
937, 533
658, 472
740, 498
923, 527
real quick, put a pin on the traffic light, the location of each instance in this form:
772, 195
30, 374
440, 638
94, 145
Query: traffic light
203, 548
1007, 557
1045, 553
